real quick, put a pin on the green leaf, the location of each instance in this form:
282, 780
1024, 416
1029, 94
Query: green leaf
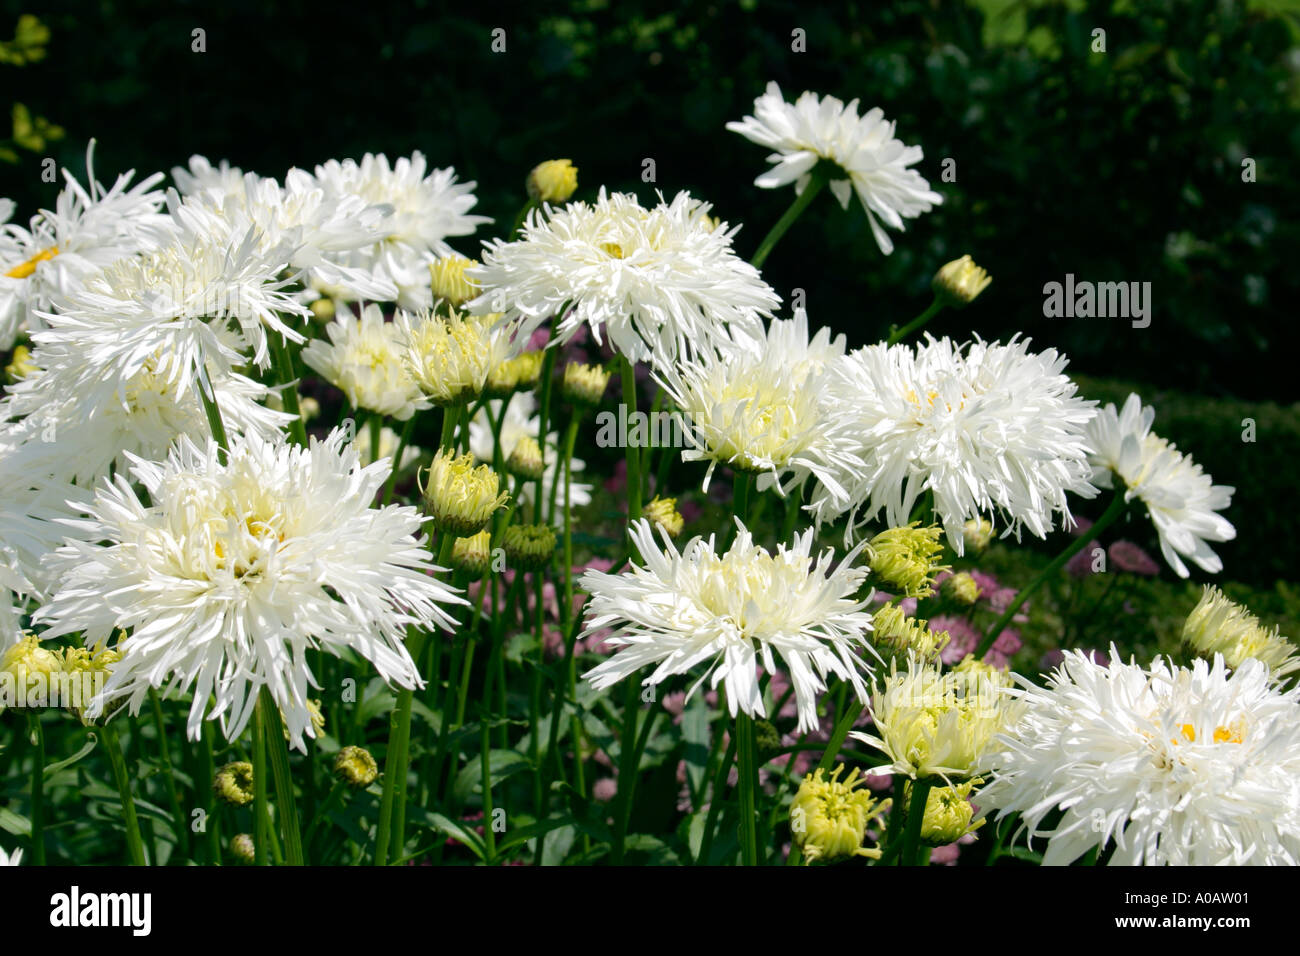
502, 764
13, 823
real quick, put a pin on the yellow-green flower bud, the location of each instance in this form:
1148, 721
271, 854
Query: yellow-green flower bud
20, 365
234, 783
525, 459
663, 512
829, 817
323, 310
529, 546
977, 532
907, 558
948, 813
552, 181
961, 588
243, 849
355, 766
449, 282
513, 375
32, 670
584, 384
473, 555
1220, 626
958, 282
460, 497
898, 633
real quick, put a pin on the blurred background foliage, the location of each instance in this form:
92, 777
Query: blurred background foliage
1123, 165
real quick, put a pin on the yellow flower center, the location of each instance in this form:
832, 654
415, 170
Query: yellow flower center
612, 249
25, 269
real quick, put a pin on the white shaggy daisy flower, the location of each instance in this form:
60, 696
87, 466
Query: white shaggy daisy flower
214, 293
1173, 765
873, 163
1181, 499
205, 181
427, 208
654, 282
520, 420
88, 228
985, 427
364, 358
450, 356
733, 612
760, 407
233, 573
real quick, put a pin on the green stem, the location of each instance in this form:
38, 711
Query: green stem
397, 459
134, 844
814, 186
897, 335
628, 377
519, 219
212, 825
284, 798
261, 809
544, 422
915, 816
1112, 513
842, 727
210, 409
715, 801
38, 790
747, 769
289, 394
173, 792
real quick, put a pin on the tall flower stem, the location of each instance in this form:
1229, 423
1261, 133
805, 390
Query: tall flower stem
915, 815
715, 800
210, 409
566, 680
933, 309
134, 844
169, 774
289, 394
397, 459
842, 727
261, 810
1112, 513
278, 748
38, 788
815, 183
546, 381
208, 765
632, 454
747, 771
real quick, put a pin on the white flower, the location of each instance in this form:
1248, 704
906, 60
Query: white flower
425, 211
1180, 498
214, 293
233, 573
449, 356
874, 163
87, 229
761, 407
388, 442
1173, 765
11, 859
984, 426
364, 359
521, 420
655, 282
205, 181
937, 724
734, 612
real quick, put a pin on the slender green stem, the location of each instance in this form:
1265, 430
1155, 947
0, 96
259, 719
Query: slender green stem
406, 698
566, 679
546, 381
173, 791
716, 800
278, 749
628, 376
289, 393
1111, 514
38, 789
134, 844
397, 459
814, 186
209, 398
842, 728
933, 309
261, 809
211, 823
915, 816
747, 770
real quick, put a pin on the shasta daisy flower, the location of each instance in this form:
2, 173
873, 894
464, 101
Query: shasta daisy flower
760, 407
427, 209
1181, 499
655, 282
1172, 765
986, 427
1220, 626
734, 612
87, 229
872, 163
234, 572
364, 358
449, 357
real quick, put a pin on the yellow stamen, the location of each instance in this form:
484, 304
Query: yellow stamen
25, 269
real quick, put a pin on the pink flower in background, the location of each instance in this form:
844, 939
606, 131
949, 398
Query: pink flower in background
690, 510
604, 789
1128, 556
617, 482
987, 582
1081, 526
1080, 566
964, 637
879, 781
945, 855
906, 605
